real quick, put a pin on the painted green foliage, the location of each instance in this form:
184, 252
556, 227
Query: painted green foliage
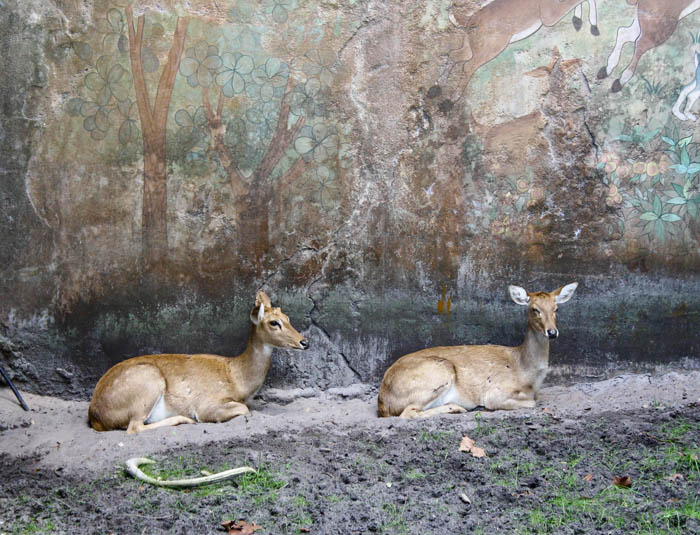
657, 193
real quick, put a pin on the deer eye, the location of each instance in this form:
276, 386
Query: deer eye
276, 324
536, 311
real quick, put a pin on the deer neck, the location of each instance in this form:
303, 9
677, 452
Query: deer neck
250, 368
534, 351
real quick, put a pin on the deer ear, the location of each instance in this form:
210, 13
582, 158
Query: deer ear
563, 294
519, 295
257, 318
262, 299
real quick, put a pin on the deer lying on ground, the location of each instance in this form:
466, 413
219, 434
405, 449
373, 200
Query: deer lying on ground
454, 379
154, 391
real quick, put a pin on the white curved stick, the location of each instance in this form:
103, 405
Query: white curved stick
132, 467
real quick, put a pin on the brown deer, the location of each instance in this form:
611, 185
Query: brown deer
154, 391
654, 22
491, 29
454, 379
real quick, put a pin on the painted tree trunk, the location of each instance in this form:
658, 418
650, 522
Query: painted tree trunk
155, 202
154, 120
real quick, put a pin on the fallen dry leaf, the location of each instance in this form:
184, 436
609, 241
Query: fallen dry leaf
467, 444
465, 498
240, 527
622, 481
674, 477
588, 477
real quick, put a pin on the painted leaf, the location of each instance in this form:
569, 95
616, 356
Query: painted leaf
83, 50
279, 14
304, 145
693, 168
685, 157
681, 169
679, 189
685, 141
657, 205
188, 66
94, 82
676, 200
686, 187
183, 118
649, 216
204, 77
692, 210
149, 59
668, 140
272, 67
115, 19
103, 65
127, 132
670, 218
73, 106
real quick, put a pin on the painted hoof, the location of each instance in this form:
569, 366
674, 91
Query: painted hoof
595, 31
602, 73
577, 23
616, 87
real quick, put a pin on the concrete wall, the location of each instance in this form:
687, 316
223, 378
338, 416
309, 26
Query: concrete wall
365, 162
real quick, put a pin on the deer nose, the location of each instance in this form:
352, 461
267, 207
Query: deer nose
552, 333
304, 343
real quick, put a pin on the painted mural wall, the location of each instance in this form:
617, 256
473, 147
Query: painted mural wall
383, 169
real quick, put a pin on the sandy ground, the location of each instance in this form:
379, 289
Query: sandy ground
56, 432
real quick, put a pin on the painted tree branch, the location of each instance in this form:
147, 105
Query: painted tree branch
216, 131
281, 139
135, 42
167, 77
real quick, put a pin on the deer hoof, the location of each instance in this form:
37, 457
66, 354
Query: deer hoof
577, 23
616, 87
602, 73
595, 31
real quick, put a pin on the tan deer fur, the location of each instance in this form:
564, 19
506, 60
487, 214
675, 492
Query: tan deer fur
154, 391
454, 379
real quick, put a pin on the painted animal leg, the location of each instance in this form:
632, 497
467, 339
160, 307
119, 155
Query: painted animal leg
681, 99
412, 411
484, 49
578, 17
593, 17
223, 412
656, 33
625, 34
692, 98
552, 12
136, 426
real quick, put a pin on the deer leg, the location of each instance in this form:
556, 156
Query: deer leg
222, 412
136, 426
512, 404
413, 411
625, 34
